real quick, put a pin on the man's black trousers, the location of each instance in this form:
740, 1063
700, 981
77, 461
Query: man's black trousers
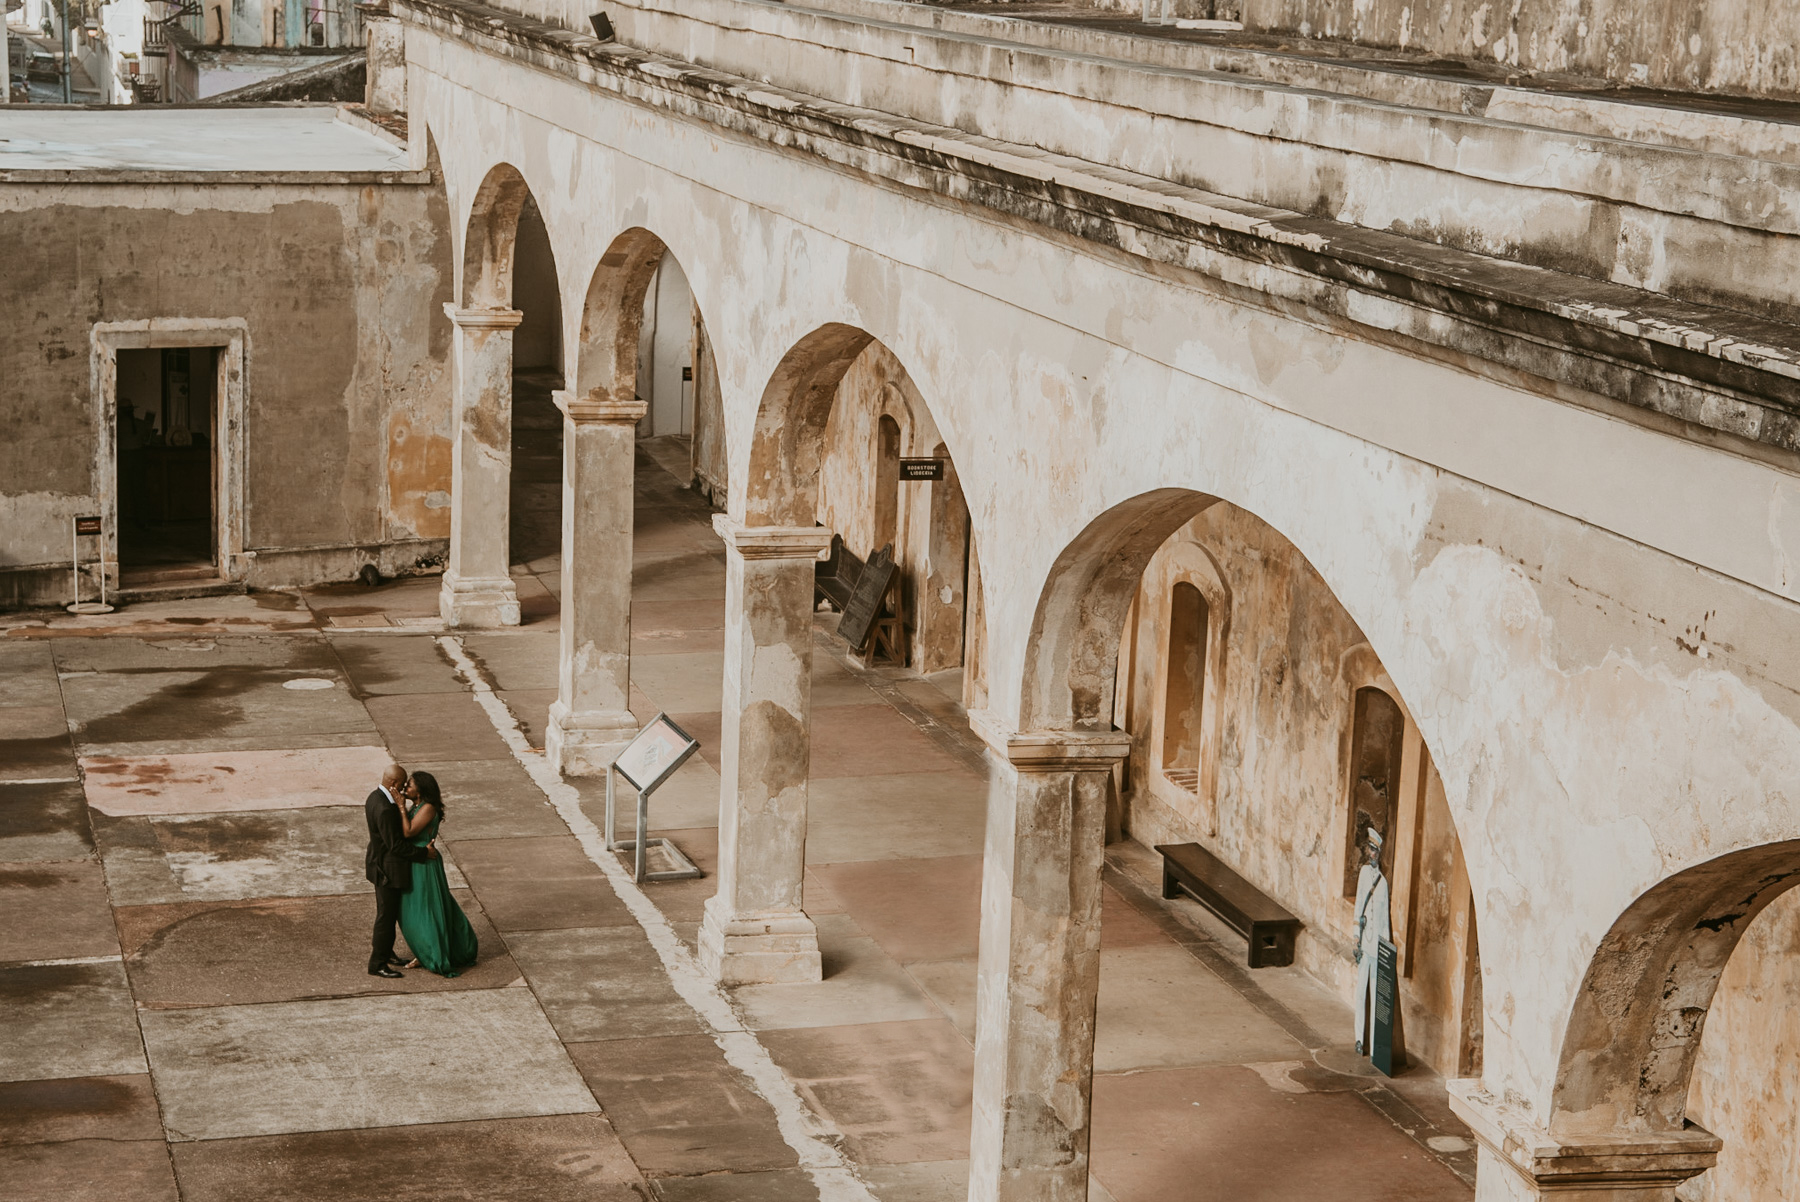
387, 913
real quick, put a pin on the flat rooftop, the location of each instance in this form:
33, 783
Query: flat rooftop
286, 140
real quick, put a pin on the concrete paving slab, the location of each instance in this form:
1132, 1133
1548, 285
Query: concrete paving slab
563, 1158
1121, 925
66, 1108
924, 1181
539, 884
55, 910
680, 1108
44, 822
386, 664
598, 983
678, 576
951, 984
530, 708
681, 902
34, 743
871, 740
515, 661
67, 1020
862, 984
409, 596
683, 682
173, 712
780, 1185
834, 684
28, 674
285, 949
667, 640
358, 1062
661, 617
217, 782
225, 857
1214, 1133
436, 726
915, 909
491, 799
1160, 1007
87, 1170
911, 815
899, 1091
302, 653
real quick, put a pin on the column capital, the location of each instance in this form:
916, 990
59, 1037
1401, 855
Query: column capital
598, 408
773, 542
1050, 750
483, 319
1628, 1161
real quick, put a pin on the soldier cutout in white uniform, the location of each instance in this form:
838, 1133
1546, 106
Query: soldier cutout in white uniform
1372, 926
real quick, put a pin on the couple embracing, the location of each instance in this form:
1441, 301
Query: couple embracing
408, 874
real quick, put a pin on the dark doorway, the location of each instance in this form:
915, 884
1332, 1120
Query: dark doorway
167, 424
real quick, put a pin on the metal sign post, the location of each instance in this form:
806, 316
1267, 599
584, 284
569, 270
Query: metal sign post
652, 758
88, 525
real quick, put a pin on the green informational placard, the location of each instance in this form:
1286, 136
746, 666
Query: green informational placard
1387, 994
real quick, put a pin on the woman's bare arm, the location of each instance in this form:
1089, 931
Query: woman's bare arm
420, 818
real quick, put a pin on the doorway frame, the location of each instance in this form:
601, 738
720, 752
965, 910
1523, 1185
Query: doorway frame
231, 335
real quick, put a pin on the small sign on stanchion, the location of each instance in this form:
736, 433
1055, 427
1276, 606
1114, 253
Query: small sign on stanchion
86, 526
652, 758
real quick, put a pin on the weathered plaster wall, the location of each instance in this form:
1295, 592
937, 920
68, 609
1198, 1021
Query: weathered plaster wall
347, 391
1713, 45
1747, 1083
1607, 699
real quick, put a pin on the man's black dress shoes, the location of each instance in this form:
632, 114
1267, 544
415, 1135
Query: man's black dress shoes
385, 971
396, 962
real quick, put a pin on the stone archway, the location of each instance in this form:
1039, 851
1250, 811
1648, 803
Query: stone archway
478, 589
591, 717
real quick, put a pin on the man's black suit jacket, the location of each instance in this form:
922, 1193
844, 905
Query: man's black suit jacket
388, 863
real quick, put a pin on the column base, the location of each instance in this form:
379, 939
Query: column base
586, 744
774, 949
477, 601
1624, 1166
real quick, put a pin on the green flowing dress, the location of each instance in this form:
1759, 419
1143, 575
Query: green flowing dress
436, 929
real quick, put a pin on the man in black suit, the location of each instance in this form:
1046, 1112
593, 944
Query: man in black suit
388, 865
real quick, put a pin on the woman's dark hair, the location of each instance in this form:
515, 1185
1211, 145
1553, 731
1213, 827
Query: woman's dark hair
428, 791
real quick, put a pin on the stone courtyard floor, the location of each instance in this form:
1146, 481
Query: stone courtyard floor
184, 1010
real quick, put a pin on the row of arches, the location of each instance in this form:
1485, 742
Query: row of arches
1628, 1053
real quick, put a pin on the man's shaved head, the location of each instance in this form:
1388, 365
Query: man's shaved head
394, 777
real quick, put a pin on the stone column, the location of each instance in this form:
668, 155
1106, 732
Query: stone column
591, 720
1040, 960
478, 589
754, 930
1520, 1161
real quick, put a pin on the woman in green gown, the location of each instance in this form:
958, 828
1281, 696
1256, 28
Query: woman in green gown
436, 930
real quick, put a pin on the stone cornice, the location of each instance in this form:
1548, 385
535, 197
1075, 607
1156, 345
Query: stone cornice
772, 542
1050, 750
1554, 1163
1719, 369
597, 407
484, 319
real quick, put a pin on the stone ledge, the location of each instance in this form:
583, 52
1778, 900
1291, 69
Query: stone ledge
1555, 1163
1718, 369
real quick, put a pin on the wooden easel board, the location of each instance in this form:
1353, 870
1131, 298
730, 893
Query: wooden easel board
864, 606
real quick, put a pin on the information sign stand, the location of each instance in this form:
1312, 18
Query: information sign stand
659, 749
1386, 1016
88, 526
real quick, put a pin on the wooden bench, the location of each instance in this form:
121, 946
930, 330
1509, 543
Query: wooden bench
1242, 906
835, 577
